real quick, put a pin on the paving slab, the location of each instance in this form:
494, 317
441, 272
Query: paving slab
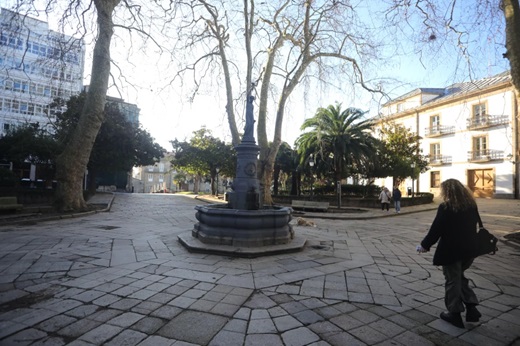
122, 277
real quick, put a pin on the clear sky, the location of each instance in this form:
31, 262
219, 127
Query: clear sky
168, 114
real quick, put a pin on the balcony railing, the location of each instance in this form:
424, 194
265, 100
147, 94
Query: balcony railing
438, 160
485, 155
439, 130
482, 121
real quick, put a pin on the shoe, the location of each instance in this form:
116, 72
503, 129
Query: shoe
472, 314
453, 318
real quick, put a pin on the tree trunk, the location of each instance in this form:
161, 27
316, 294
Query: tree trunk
214, 186
294, 183
276, 178
511, 10
72, 162
196, 184
512, 16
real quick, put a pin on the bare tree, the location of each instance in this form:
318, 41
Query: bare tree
467, 26
511, 9
72, 162
284, 43
76, 14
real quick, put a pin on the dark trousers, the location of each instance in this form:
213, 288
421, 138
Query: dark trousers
385, 205
457, 290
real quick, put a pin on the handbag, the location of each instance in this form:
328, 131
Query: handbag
486, 242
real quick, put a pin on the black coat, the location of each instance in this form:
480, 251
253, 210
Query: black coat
456, 233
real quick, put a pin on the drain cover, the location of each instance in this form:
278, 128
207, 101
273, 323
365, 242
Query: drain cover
108, 228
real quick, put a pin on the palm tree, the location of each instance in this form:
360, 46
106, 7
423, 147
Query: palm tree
339, 139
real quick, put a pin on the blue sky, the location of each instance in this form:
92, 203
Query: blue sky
168, 114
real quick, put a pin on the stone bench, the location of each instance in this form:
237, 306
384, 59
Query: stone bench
9, 203
310, 205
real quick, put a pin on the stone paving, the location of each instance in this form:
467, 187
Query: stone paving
122, 278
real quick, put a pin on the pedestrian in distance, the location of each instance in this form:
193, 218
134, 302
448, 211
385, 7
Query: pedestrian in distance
384, 197
455, 228
396, 196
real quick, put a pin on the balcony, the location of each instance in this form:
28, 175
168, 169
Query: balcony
483, 121
439, 130
485, 155
439, 160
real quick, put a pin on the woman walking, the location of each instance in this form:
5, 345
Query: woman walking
455, 227
384, 197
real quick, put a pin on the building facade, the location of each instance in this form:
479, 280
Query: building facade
37, 65
469, 132
155, 178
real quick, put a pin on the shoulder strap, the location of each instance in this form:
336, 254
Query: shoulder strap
480, 225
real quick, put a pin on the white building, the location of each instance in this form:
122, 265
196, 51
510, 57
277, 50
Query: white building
470, 132
36, 66
155, 178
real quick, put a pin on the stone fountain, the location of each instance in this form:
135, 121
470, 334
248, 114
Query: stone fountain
242, 227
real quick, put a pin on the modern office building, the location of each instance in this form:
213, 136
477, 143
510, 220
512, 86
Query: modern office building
469, 131
36, 65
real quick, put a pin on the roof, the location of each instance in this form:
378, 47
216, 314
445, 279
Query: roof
456, 89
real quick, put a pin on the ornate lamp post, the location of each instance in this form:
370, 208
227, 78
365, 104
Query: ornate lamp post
413, 175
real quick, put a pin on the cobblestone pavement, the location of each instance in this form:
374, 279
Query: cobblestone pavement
122, 278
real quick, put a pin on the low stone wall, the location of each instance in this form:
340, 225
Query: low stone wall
27, 196
355, 202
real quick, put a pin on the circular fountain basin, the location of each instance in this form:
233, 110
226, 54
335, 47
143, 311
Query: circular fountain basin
218, 224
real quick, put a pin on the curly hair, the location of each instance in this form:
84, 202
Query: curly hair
456, 196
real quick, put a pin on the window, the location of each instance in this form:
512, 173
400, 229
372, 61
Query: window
150, 168
161, 178
24, 107
480, 145
17, 86
150, 177
161, 167
435, 150
435, 179
400, 107
435, 121
15, 106
479, 113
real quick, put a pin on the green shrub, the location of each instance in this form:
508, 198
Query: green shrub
350, 190
7, 178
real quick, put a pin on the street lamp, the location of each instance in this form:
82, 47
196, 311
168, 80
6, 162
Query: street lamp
413, 174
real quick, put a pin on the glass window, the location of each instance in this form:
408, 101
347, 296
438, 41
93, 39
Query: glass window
479, 111
435, 149
15, 107
435, 123
24, 107
480, 143
435, 179
150, 177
